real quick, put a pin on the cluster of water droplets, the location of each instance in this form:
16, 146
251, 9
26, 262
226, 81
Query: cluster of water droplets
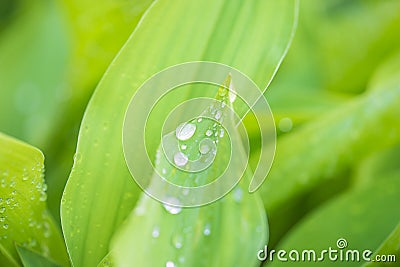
22, 191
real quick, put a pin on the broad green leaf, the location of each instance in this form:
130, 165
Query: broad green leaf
363, 217
391, 246
30, 258
315, 158
100, 191
23, 215
97, 30
203, 236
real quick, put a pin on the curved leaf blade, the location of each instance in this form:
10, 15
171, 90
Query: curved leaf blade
262, 29
23, 215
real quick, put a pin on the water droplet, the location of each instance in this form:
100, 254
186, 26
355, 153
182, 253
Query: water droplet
221, 133
183, 147
163, 171
205, 146
209, 132
199, 119
285, 125
170, 264
218, 115
207, 230
2, 209
180, 159
5, 226
174, 208
8, 201
3, 182
43, 196
2, 219
238, 194
177, 241
156, 232
185, 131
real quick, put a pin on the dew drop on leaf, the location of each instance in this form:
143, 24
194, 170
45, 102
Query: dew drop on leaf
207, 230
177, 241
156, 232
170, 264
173, 209
185, 131
180, 159
209, 132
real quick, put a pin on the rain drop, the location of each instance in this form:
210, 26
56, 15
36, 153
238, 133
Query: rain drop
218, 115
5, 226
2, 209
207, 230
164, 171
156, 232
183, 147
205, 146
171, 208
185, 131
209, 133
180, 159
177, 241
170, 264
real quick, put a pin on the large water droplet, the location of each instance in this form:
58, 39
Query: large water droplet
156, 232
170, 264
172, 208
180, 159
185, 131
205, 146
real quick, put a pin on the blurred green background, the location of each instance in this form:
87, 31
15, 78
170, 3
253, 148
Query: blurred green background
335, 94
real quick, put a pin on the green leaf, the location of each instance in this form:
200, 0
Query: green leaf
197, 236
31, 258
97, 30
100, 191
23, 215
391, 246
361, 216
